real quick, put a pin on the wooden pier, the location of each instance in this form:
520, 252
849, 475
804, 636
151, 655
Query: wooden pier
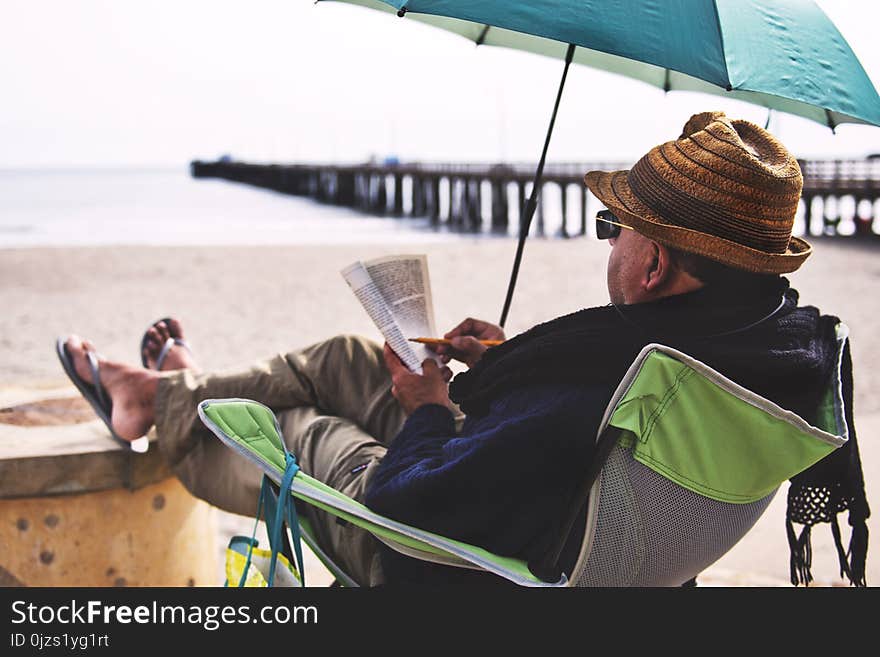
840, 197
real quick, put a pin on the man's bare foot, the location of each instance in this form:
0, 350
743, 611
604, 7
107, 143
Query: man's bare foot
179, 357
132, 390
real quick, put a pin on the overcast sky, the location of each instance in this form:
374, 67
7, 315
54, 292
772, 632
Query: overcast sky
104, 83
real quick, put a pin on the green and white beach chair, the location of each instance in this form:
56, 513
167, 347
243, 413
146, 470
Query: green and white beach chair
686, 462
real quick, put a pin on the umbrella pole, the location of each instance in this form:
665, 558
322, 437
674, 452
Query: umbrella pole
528, 210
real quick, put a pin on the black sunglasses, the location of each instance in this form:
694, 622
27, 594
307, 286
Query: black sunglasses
608, 225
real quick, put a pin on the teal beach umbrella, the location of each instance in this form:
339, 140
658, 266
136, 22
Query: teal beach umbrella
785, 55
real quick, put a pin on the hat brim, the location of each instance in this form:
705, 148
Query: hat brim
612, 188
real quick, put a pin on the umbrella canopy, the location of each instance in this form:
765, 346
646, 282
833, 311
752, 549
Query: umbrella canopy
785, 55
781, 54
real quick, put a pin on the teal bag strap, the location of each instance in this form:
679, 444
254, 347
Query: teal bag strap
264, 492
277, 512
285, 505
293, 523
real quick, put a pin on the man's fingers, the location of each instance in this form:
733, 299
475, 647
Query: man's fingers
463, 328
430, 367
392, 361
386, 356
467, 345
438, 349
477, 328
454, 331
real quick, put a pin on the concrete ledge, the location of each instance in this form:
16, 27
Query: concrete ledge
60, 459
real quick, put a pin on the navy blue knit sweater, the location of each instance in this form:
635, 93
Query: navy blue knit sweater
492, 484
534, 405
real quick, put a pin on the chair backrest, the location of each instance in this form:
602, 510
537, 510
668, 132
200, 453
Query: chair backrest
699, 461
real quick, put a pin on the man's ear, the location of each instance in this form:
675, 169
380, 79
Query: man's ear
659, 269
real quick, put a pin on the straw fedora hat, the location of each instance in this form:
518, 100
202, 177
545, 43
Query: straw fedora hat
726, 190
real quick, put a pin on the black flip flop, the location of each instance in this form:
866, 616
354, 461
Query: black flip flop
95, 393
169, 344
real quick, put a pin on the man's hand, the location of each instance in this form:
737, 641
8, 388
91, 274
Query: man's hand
465, 341
414, 390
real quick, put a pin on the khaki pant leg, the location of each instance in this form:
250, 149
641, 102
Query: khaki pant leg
209, 469
340, 454
348, 379
344, 376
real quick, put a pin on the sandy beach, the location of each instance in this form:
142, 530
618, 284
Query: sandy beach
241, 304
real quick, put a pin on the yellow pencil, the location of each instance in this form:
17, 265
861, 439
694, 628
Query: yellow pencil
488, 343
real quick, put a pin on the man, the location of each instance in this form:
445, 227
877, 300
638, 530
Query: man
700, 231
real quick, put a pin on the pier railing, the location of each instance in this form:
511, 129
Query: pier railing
840, 197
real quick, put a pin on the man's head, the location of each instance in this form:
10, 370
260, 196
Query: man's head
641, 269
714, 207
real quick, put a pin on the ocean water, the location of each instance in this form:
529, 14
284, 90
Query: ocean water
168, 207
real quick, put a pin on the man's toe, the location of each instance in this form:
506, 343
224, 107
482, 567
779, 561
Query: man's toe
154, 338
162, 330
175, 328
152, 344
76, 348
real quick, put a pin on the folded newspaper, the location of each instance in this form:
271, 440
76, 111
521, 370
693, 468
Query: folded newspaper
396, 293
